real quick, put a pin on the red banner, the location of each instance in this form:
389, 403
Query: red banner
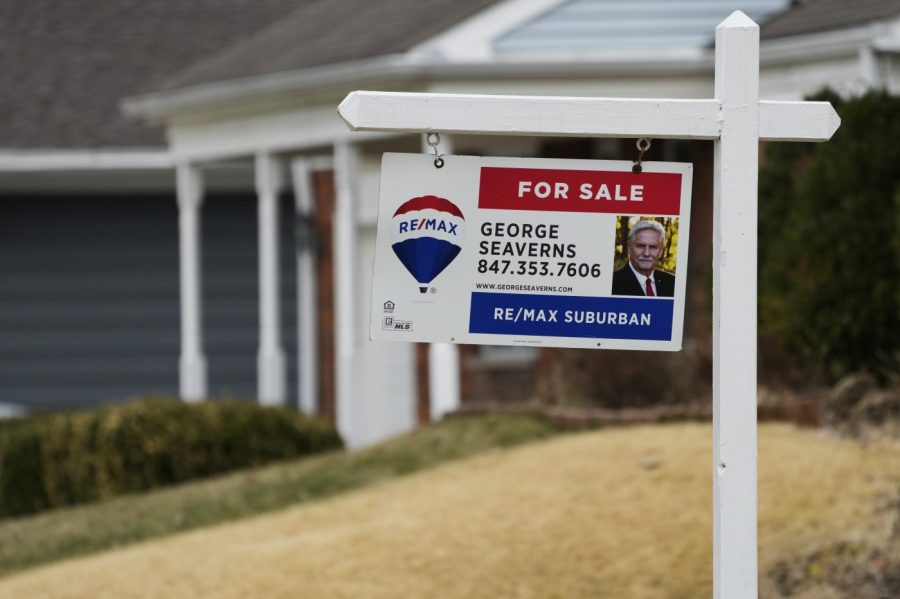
614, 192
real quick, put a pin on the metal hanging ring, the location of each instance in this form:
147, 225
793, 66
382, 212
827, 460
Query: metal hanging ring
643, 144
432, 140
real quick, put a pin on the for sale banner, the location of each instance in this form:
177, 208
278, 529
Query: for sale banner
533, 252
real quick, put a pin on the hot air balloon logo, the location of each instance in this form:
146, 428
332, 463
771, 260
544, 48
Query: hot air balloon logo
427, 234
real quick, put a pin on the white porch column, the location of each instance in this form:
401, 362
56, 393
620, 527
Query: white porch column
443, 358
346, 178
304, 203
192, 363
734, 310
869, 69
346, 174
272, 382
443, 379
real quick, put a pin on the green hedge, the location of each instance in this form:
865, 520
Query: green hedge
828, 241
61, 459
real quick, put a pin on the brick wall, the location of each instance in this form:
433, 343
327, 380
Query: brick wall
323, 189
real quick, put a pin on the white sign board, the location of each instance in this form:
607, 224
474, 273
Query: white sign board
532, 252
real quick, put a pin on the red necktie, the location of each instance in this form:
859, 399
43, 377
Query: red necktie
649, 288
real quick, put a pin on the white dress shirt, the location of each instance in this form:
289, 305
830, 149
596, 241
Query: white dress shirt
643, 280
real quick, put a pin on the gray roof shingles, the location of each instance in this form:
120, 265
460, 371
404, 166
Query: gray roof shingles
65, 65
332, 31
824, 15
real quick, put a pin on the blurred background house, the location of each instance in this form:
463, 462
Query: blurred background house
176, 186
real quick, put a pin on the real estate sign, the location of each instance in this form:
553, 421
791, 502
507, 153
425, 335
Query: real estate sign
532, 252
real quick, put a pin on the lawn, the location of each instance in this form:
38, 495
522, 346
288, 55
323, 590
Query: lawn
29, 541
621, 513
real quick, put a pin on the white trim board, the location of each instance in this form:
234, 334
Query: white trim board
88, 160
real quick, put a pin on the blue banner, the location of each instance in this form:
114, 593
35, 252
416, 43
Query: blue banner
645, 318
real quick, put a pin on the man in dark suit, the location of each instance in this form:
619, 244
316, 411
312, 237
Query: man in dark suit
639, 276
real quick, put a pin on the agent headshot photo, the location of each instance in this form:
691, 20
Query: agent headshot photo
639, 276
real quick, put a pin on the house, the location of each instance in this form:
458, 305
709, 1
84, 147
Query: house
134, 126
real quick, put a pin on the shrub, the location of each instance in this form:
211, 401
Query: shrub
61, 459
829, 242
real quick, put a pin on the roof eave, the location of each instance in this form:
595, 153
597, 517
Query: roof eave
81, 159
827, 44
162, 105
157, 106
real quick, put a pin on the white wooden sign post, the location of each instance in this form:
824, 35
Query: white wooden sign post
736, 120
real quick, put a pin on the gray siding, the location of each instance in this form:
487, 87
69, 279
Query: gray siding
89, 298
231, 294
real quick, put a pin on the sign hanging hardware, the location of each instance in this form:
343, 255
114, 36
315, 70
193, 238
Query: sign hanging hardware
433, 139
643, 144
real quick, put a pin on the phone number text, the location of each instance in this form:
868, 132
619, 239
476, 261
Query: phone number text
542, 268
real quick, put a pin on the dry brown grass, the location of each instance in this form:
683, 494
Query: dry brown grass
576, 516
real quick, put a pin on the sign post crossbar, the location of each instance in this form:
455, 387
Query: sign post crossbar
735, 120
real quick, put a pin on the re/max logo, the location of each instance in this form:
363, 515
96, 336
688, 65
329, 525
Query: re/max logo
428, 224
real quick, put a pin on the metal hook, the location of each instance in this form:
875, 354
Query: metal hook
643, 144
432, 140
